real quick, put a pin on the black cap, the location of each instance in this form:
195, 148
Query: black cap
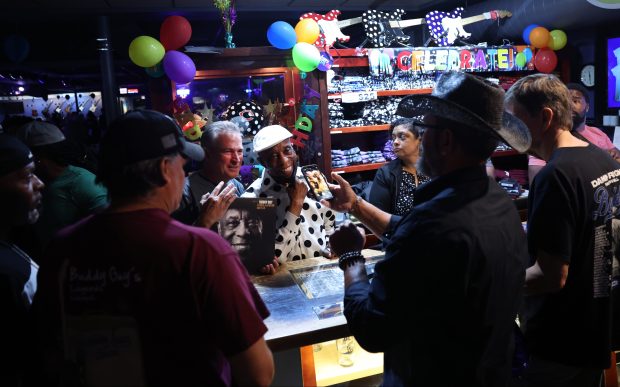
14, 154
142, 135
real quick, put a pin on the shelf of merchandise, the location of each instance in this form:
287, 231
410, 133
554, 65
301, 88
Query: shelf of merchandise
360, 129
388, 93
358, 168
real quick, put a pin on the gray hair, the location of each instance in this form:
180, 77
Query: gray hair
215, 129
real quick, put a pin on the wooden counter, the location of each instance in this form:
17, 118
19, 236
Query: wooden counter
294, 321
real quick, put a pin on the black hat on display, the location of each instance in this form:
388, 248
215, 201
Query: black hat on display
472, 101
143, 135
14, 154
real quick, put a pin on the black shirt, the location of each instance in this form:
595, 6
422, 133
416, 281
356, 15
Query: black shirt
571, 210
451, 282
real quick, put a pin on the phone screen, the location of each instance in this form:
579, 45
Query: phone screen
317, 182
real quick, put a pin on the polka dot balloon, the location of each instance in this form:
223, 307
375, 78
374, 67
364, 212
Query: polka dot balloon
250, 111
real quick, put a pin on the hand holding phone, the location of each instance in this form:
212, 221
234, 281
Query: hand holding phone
317, 182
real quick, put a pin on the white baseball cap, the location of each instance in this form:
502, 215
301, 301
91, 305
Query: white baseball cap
270, 136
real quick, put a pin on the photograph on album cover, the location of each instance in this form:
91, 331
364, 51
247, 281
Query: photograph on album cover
249, 225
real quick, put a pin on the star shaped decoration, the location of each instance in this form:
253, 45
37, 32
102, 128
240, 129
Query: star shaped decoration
270, 108
207, 112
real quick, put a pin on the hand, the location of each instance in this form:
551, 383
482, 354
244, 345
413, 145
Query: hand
213, 205
347, 237
271, 268
615, 153
297, 193
344, 196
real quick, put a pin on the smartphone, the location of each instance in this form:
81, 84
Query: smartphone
317, 182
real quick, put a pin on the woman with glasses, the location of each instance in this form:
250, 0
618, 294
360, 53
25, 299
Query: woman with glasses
395, 183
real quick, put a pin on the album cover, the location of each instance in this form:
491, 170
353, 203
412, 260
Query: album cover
249, 226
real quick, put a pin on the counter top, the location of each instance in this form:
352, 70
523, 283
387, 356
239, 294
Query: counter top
297, 294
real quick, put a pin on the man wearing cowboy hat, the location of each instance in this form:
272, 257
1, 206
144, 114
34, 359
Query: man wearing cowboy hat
442, 303
572, 205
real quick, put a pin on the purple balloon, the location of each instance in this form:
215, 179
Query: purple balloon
179, 67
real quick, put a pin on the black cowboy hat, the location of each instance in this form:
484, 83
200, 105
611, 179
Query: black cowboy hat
472, 101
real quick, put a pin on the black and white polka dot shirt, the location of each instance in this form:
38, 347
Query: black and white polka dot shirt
299, 237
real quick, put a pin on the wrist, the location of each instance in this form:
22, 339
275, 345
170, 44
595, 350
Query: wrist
355, 206
349, 258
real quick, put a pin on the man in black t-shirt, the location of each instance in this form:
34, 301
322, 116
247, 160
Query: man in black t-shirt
572, 202
20, 198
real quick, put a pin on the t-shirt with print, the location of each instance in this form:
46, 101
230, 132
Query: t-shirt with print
181, 287
297, 237
593, 135
571, 209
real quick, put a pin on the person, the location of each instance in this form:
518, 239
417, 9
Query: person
566, 320
580, 99
302, 224
221, 141
20, 199
454, 266
395, 183
242, 230
184, 302
71, 192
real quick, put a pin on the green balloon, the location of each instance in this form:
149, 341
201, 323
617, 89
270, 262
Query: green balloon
306, 56
557, 40
146, 51
520, 60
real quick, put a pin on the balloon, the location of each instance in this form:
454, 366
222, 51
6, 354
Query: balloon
526, 33
307, 31
146, 51
179, 67
155, 71
16, 48
528, 54
174, 32
281, 35
539, 37
545, 60
520, 60
306, 56
325, 62
557, 41
251, 112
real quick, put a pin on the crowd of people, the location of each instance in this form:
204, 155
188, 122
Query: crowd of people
129, 253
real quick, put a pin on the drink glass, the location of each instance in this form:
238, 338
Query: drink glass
346, 347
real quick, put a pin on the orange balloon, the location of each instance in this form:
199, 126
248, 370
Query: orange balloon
307, 31
539, 37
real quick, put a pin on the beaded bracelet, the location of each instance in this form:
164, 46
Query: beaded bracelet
349, 257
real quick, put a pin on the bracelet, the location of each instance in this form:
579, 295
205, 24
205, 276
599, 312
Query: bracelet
356, 205
349, 257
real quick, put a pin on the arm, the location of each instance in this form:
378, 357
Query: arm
345, 200
90, 196
379, 194
254, 366
547, 275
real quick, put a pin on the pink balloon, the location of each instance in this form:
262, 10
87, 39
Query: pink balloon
175, 32
179, 67
545, 60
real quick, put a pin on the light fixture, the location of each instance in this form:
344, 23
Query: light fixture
21, 88
183, 92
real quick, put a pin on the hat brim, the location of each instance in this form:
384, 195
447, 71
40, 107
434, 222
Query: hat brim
192, 151
512, 130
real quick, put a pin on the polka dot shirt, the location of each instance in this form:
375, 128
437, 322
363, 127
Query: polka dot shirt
297, 237
406, 191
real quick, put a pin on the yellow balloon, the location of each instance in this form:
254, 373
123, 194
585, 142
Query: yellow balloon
307, 31
146, 51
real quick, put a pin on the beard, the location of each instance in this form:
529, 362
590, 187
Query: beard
425, 164
578, 120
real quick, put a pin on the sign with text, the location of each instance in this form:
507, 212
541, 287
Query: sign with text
361, 96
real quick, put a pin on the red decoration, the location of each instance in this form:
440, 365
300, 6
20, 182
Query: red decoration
175, 32
545, 60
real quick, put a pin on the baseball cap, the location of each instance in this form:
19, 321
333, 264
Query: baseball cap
270, 136
39, 133
142, 135
14, 154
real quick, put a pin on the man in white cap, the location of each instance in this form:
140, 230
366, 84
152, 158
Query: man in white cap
302, 224
454, 266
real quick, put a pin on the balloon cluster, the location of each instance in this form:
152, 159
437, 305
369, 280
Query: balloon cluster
306, 55
160, 56
547, 42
